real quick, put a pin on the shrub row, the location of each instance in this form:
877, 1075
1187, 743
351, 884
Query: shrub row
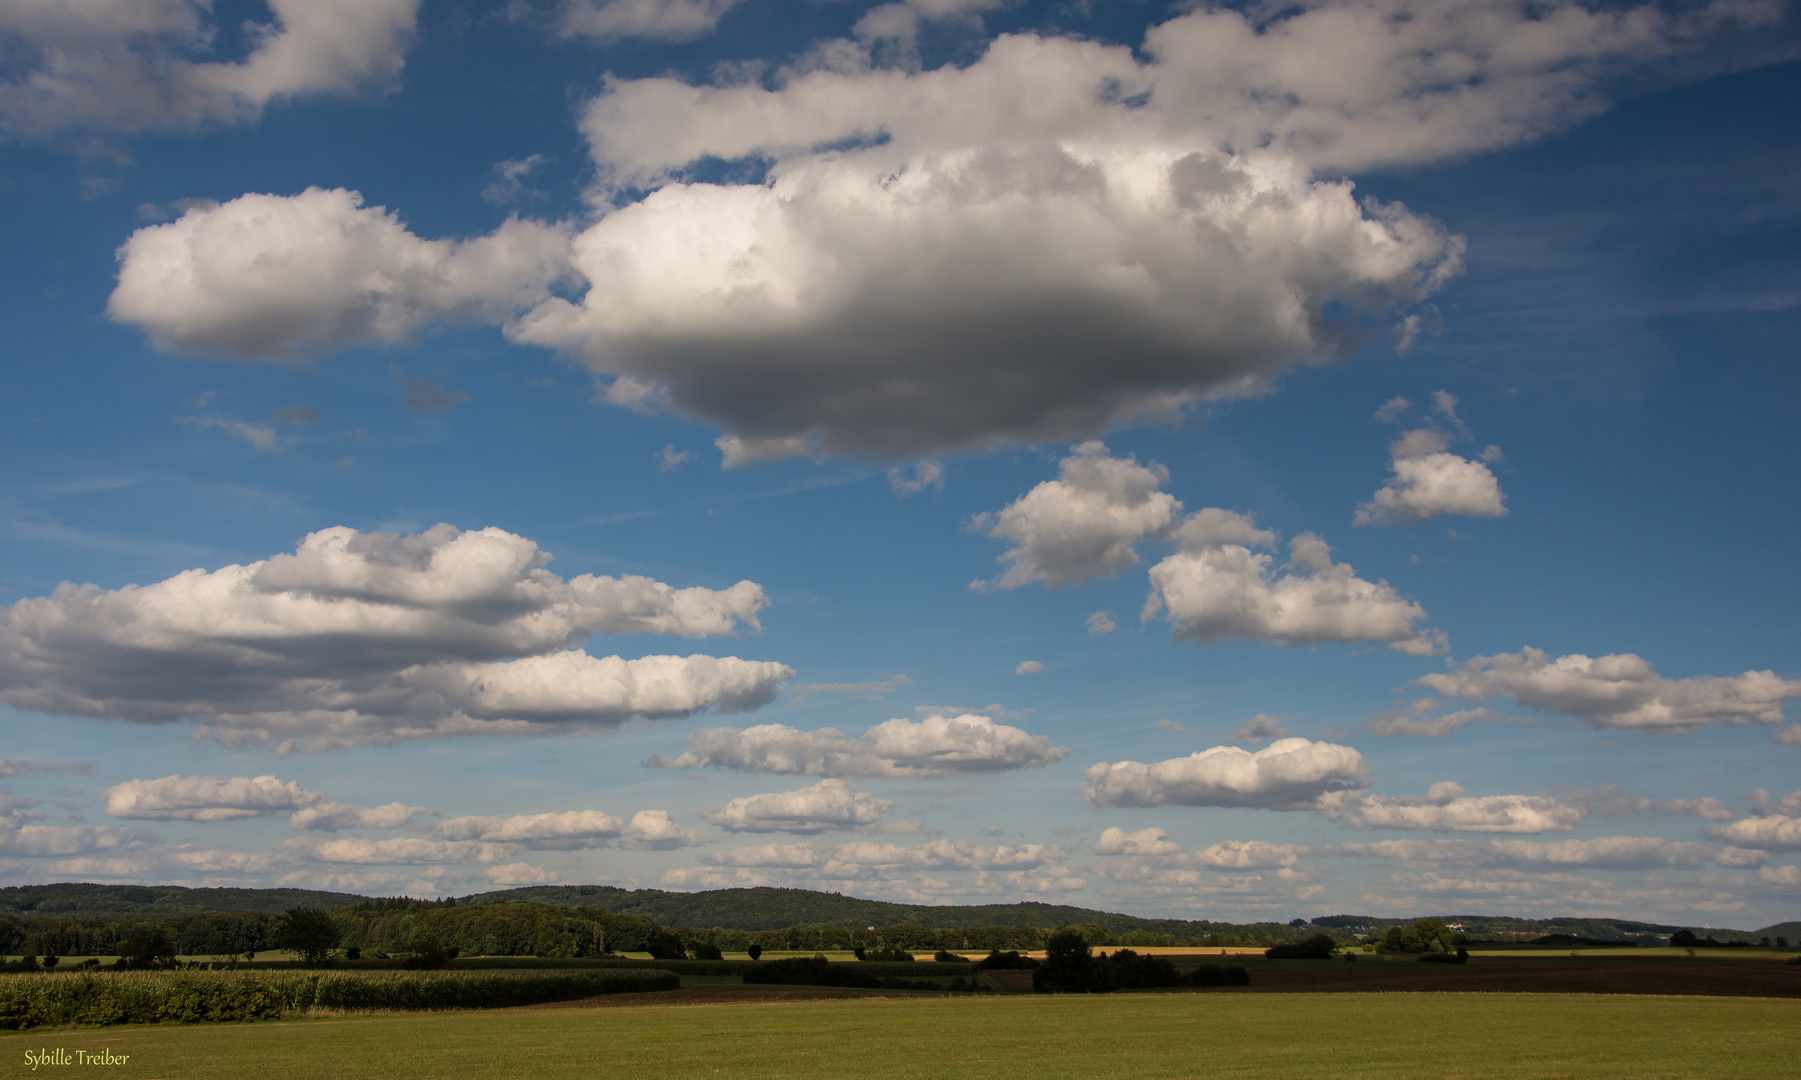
745, 967
818, 971
200, 996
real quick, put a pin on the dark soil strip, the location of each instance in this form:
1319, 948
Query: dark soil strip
724, 995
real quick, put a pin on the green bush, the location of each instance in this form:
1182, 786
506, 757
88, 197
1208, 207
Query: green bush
811, 971
1317, 947
1070, 967
1134, 972
200, 996
1010, 960
888, 954
664, 945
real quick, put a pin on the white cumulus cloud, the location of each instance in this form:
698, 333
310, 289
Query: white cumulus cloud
396, 850
827, 806
129, 66
1429, 481
1776, 832
287, 276
934, 746
210, 798
1289, 774
376, 637
520, 874
1083, 524
1216, 588
1445, 808
571, 829
1617, 691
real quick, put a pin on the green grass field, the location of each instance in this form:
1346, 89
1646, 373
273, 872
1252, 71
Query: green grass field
1386, 1036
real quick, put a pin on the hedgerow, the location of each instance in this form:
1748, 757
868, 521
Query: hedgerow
147, 997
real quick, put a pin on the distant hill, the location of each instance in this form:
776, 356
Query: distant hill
70, 900
1789, 930
780, 909
1505, 928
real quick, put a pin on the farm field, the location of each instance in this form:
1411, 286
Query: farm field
1248, 1036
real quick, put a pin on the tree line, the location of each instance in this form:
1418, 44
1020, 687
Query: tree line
405, 925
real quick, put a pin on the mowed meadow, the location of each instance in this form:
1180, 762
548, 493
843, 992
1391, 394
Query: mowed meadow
1391, 1036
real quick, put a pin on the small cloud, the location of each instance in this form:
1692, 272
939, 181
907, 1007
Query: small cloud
1392, 409
671, 458
1261, 728
1493, 455
359, 435
994, 830
871, 690
520, 874
347, 461
260, 436
1100, 623
425, 397
1172, 726
927, 473
1028, 667
1445, 405
917, 828
15, 766
298, 415
509, 180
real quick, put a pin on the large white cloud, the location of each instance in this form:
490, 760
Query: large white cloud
1083, 524
934, 746
209, 798
1445, 808
827, 806
1289, 774
1216, 587
129, 65
285, 276
1028, 288
1619, 691
1429, 481
374, 637
569, 829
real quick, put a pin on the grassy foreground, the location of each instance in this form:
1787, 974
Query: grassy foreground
1386, 1036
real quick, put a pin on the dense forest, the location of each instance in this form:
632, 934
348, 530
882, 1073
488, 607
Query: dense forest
73, 900
784, 909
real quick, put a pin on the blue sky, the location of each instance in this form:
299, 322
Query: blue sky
1200, 461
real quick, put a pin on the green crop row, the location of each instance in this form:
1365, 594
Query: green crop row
149, 997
